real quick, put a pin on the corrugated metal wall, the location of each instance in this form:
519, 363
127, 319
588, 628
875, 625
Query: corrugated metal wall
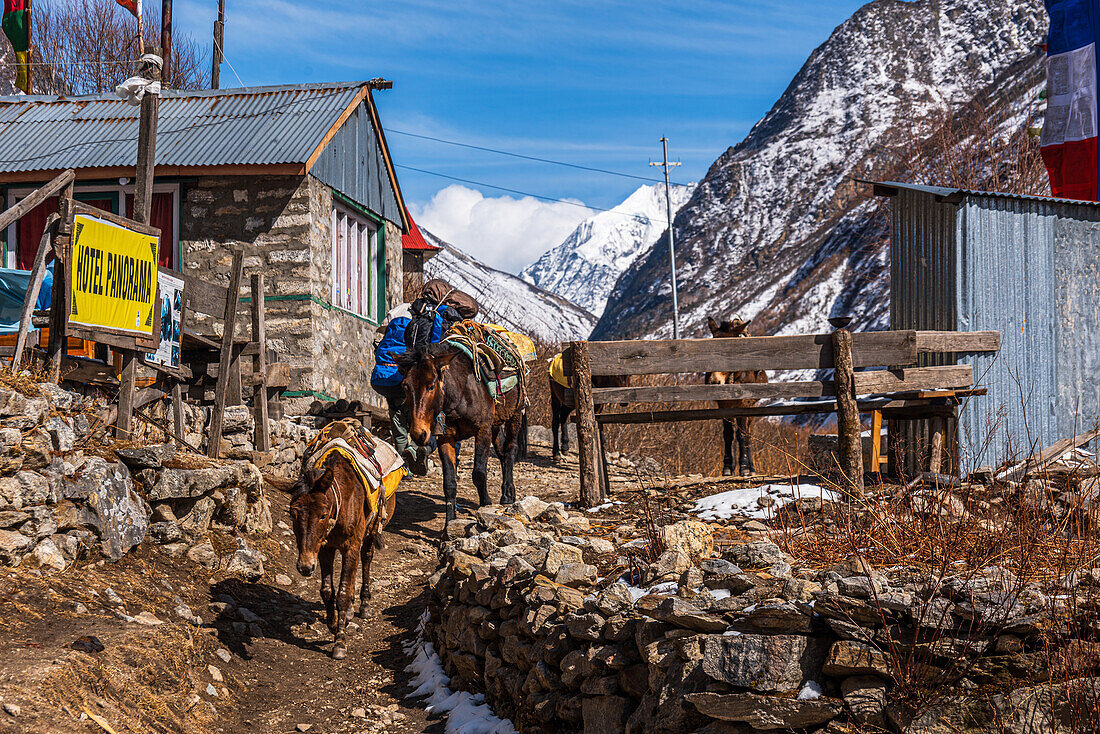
352, 163
1026, 267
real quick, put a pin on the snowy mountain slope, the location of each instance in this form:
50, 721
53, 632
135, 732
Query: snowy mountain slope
586, 265
508, 300
778, 229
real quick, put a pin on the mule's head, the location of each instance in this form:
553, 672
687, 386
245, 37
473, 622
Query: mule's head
733, 328
423, 371
312, 510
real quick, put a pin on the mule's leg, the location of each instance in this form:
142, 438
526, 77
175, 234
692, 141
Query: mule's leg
555, 426
744, 448
327, 557
349, 567
564, 423
450, 478
481, 465
727, 447
367, 556
508, 460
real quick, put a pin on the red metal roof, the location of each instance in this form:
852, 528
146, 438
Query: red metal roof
413, 240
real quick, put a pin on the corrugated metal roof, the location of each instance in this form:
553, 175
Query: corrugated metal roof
248, 126
958, 194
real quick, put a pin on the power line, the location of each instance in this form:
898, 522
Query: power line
525, 157
639, 217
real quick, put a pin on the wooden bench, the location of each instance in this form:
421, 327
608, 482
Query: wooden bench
903, 390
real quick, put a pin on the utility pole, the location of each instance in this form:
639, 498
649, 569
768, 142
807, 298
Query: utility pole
219, 30
671, 248
166, 40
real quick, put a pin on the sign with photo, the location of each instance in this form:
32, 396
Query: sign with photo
171, 313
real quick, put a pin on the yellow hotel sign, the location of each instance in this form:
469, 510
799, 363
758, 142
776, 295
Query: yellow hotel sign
114, 276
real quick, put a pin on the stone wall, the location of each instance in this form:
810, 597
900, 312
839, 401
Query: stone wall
283, 224
741, 642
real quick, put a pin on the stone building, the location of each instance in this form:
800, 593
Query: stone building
299, 177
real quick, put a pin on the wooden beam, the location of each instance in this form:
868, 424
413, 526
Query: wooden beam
812, 351
587, 438
958, 342
259, 365
137, 225
909, 379
876, 441
36, 197
348, 111
849, 428
60, 299
217, 415
1047, 456
106, 173
201, 296
38, 274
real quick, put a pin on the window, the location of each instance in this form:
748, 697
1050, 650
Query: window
357, 261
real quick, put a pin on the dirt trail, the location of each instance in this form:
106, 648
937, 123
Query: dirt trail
279, 674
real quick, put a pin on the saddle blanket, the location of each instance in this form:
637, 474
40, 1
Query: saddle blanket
557, 371
498, 361
377, 464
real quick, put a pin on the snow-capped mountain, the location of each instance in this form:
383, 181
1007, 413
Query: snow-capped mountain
586, 265
508, 300
778, 230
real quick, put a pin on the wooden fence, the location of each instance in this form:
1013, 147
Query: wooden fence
902, 391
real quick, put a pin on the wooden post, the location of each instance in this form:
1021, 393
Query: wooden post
847, 411
259, 365
219, 28
36, 197
143, 203
38, 273
587, 439
217, 416
601, 452
59, 304
166, 37
876, 441
935, 461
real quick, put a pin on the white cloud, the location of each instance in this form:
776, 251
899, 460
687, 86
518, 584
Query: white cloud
504, 232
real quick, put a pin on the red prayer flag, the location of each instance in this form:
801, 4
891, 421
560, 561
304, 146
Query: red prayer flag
130, 5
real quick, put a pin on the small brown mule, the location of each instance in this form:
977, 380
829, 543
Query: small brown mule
441, 379
330, 513
733, 329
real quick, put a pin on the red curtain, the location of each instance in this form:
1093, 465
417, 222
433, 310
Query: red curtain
161, 217
29, 229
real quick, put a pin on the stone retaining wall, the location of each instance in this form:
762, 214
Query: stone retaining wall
736, 643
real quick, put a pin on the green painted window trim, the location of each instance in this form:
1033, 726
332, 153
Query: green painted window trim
308, 394
358, 208
382, 266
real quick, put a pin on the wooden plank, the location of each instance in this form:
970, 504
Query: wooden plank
36, 197
876, 441
849, 428
259, 364
79, 207
959, 342
811, 351
912, 408
1047, 456
60, 299
201, 296
217, 416
116, 337
880, 381
935, 460
587, 438
38, 274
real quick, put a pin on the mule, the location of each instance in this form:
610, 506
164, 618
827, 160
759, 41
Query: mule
740, 429
440, 379
559, 411
330, 513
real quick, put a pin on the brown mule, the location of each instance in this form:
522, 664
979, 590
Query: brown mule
731, 330
330, 513
440, 379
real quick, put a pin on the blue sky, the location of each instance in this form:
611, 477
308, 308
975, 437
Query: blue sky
593, 83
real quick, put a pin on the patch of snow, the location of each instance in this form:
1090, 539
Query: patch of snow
467, 713
719, 594
744, 502
810, 691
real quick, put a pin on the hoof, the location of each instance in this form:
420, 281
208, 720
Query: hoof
363, 612
727, 471
339, 651
747, 472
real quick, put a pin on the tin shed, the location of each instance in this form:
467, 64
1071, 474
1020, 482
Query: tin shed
1026, 266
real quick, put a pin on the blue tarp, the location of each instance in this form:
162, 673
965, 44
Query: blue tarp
13, 289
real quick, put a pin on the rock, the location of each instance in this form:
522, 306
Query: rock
529, 508
88, 643
246, 562
683, 614
147, 457
585, 626
758, 554
283, 580
575, 575
769, 663
849, 658
148, 619
614, 599
13, 518
554, 514
204, 555
162, 533
47, 556
603, 714
559, 554
865, 697
119, 511
59, 397
670, 566
359, 713
20, 411
11, 709
304, 727
224, 655
688, 536
766, 712
238, 419
782, 618
196, 522
61, 433
215, 673
13, 546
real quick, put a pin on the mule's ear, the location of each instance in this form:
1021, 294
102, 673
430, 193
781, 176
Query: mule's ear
713, 326
443, 361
